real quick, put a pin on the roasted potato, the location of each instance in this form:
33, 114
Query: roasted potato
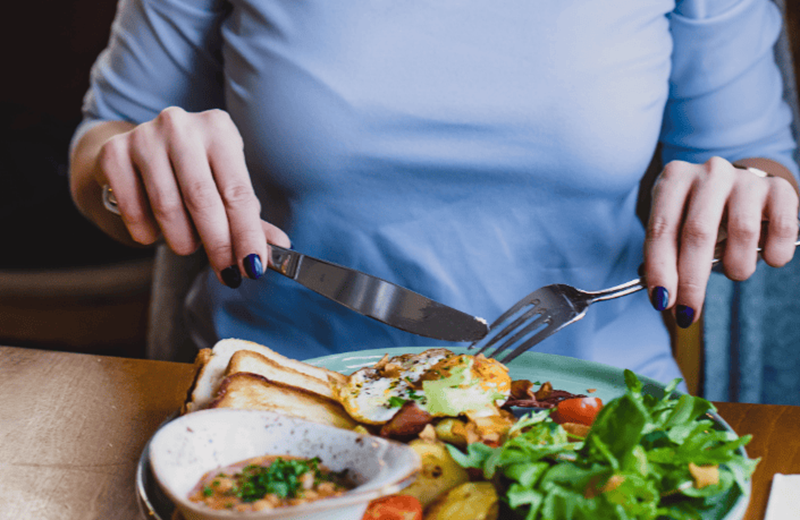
467, 501
452, 431
439, 474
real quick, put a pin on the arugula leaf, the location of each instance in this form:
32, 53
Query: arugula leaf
633, 464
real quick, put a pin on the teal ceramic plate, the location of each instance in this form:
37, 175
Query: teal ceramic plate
573, 375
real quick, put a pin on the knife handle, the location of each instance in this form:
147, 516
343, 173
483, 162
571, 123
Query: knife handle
284, 261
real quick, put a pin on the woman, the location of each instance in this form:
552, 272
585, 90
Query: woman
467, 151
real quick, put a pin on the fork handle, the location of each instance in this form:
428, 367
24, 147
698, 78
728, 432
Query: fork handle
640, 283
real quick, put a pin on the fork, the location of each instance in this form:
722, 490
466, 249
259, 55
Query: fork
549, 309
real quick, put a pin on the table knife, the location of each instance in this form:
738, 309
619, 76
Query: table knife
371, 296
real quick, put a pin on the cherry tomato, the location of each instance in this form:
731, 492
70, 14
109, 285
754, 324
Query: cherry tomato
581, 410
394, 507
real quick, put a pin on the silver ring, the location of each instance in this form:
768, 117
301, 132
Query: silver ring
109, 201
754, 171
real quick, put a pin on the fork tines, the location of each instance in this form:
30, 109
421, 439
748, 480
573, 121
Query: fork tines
529, 323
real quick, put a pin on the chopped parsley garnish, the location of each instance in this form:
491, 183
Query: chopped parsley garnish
281, 478
396, 402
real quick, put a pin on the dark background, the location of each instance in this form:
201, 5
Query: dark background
49, 48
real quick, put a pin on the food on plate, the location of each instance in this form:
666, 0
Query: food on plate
460, 384
467, 501
243, 374
212, 365
257, 363
244, 390
635, 457
439, 474
436, 381
394, 507
373, 395
578, 410
639, 459
269, 482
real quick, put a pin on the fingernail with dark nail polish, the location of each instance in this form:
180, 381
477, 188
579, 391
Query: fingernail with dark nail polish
232, 277
659, 298
253, 266
684, 316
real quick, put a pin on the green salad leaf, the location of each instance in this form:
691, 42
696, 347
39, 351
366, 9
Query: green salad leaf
643, 458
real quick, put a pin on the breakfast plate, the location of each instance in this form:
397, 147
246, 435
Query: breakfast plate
570, 374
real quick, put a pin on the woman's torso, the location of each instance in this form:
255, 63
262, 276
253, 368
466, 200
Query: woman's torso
468, 152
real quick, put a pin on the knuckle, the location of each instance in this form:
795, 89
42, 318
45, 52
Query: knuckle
172, 113
717, 164
220, 123
696, 233
217, 116
674, 167
134, 217
219, 253
141, 141
659, 228
172, 120
200, 196
165, 208
240, 195
784, 226
112, 153
745, 230
690, 286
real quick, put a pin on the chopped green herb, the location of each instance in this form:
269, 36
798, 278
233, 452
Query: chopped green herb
396, 402
281, 478
207, 491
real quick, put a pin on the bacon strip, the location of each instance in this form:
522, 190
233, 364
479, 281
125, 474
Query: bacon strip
408, 422
523, 396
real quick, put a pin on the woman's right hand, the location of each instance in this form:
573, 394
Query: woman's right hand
183, 176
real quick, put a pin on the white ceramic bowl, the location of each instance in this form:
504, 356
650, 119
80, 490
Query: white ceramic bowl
183, 450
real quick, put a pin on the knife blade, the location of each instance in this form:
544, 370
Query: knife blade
369, 295
378, 299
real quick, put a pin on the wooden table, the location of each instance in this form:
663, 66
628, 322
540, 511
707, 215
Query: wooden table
72, 427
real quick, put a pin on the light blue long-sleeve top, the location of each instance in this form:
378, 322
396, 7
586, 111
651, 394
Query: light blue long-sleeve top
469, 150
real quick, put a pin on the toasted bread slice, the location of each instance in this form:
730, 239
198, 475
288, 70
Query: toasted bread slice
212, 365
254, 392
256, 363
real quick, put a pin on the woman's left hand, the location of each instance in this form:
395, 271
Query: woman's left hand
692, 205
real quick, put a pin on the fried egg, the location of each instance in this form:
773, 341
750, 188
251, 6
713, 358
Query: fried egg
437, 380
465, 383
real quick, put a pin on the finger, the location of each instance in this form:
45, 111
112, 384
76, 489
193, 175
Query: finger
744, 215
189, 157
663, 232
151, 159
705, 209
242, 207
115, 165
782, 229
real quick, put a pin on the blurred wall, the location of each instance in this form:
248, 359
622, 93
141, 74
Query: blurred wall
64, 285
